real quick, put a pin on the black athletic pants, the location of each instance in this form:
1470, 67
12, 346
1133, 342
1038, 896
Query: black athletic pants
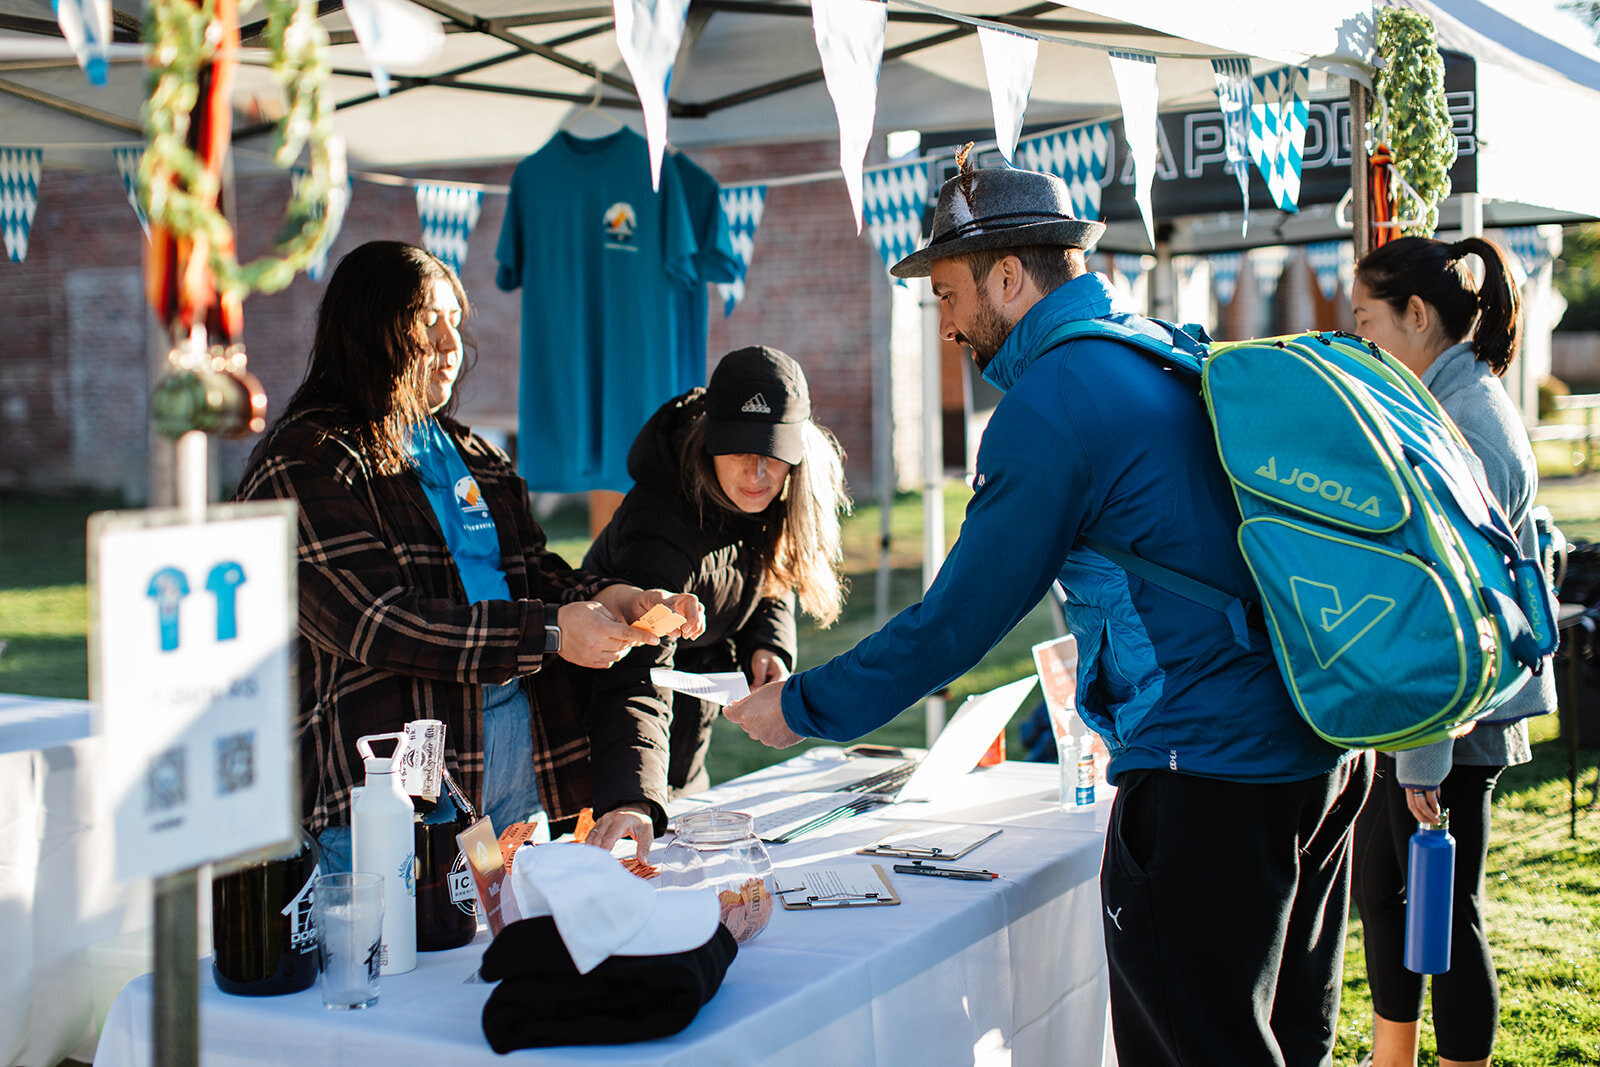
1225, 907
1466, 998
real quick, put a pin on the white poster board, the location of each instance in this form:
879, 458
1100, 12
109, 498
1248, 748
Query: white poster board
191, 633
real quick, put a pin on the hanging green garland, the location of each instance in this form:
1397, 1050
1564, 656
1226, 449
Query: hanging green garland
175, 186
1410, 86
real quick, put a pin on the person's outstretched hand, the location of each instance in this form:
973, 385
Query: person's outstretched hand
766, 666
629, 820
591, 636
761, 716
629, 603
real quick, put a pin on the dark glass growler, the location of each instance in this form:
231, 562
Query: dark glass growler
263, 940
447, 912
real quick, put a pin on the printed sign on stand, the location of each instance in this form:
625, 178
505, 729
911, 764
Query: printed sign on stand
190, 641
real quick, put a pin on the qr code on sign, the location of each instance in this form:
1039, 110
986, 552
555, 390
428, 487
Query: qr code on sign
236, 762
164, 782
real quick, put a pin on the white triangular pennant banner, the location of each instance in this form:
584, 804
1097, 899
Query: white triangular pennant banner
1234, 97
742, 206
1135, 74
448, 213
1008, 60
1328, 261
648, 35
850, 35
19, 197
338, 202
87, 26
127, 157
1266, 264
394, 35
895, 198
1078, 157
1225, 274
1278, 132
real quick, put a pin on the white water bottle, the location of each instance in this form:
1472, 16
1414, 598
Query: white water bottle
384, 843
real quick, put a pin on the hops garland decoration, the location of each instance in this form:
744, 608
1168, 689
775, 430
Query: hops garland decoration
179, 189
1411, 86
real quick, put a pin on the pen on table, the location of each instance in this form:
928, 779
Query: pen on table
964, 873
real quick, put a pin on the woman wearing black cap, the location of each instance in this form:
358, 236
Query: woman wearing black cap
737, 496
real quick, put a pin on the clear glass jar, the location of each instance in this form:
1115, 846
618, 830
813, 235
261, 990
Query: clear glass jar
720, 850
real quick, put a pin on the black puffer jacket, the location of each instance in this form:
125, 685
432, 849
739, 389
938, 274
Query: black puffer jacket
657, 541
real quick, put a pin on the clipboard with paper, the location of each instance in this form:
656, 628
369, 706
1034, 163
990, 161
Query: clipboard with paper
930, 841
823, 888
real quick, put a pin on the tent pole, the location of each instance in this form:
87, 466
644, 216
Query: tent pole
1360, 209
932, 472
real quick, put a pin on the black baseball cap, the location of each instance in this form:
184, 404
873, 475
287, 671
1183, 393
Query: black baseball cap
757, 404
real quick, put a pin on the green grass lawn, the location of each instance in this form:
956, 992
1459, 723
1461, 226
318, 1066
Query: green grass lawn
1543, 886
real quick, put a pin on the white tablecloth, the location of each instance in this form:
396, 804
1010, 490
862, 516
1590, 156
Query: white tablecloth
959, 973
69, 935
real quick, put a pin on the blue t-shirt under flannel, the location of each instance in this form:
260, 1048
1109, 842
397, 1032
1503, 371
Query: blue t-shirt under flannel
464, 518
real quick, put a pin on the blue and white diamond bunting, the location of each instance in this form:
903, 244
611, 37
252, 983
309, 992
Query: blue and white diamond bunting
1530, 247
1225, 274
127, 157
742, 206
1331, 262
19, 197
1278, 132
895, 198
338, 200
86, 25
1234, 98
1267, 266
448, 213
648, 35
1078, 157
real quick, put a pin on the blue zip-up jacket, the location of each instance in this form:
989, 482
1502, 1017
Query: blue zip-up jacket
1095, 440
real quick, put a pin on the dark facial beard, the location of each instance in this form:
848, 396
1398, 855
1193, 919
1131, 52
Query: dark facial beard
988, 333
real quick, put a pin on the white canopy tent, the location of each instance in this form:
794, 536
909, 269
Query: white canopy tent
748, 71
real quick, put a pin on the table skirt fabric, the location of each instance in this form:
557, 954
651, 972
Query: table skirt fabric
1011, 971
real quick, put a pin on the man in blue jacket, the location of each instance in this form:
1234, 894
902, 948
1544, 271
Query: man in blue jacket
1226, 876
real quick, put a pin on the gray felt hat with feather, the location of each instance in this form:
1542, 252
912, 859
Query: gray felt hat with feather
1000, 208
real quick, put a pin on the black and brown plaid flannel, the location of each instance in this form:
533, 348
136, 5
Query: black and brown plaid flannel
386, 633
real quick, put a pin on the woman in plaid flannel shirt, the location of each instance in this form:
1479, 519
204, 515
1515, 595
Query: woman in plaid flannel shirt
427, 590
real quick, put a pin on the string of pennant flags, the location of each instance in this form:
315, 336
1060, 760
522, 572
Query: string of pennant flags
895, 198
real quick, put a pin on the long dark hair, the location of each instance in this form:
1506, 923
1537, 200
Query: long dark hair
1437, 273
369, 353
802, 547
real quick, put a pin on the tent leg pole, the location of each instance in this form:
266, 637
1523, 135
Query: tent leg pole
1360, 209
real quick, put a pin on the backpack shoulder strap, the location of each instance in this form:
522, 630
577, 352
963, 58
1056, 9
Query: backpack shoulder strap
1186, 351
1182, 585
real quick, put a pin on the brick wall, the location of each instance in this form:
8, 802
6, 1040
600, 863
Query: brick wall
73, 378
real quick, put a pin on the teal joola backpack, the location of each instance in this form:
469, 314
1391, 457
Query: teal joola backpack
1394, 591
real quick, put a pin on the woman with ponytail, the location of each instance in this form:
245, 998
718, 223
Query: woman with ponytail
1418, 299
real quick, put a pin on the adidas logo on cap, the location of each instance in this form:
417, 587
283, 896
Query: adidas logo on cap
756, 405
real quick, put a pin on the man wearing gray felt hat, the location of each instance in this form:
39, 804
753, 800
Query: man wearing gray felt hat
1227, 844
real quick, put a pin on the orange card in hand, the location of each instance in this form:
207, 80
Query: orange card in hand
659, 620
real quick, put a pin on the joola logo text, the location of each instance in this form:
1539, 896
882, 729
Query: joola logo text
1326, 488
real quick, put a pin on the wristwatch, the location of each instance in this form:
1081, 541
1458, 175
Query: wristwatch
552, 636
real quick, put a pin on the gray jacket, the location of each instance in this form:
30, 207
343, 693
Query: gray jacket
1470, 394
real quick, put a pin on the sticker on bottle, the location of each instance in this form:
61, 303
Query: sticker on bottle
422, 758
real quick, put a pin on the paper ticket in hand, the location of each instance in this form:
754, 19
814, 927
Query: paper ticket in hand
722, 687
660, 620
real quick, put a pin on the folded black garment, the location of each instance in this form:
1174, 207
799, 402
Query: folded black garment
542, 1000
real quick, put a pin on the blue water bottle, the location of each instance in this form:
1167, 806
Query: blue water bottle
1430, 885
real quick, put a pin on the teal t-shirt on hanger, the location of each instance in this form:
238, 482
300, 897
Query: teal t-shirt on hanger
603, 262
